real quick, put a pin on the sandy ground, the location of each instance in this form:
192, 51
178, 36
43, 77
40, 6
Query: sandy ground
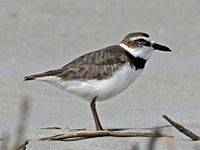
38, 35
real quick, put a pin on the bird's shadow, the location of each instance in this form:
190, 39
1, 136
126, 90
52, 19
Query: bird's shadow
152, 128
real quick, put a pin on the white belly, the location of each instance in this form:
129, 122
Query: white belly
102, 89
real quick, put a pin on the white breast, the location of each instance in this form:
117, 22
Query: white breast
102, 89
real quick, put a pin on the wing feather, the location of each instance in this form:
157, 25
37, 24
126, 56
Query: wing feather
94, 65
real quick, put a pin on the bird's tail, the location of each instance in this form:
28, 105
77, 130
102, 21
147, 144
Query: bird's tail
44, 74
29, 77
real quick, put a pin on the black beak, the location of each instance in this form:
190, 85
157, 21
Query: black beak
161, 47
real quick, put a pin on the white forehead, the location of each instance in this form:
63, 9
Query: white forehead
139, 37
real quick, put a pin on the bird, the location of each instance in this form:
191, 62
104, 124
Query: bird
102, 74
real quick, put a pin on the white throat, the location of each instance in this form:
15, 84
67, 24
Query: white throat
144, 52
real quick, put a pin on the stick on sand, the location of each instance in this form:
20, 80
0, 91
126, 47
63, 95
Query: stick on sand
99, 133
182, 129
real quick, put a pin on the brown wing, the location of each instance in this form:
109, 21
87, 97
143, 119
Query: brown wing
109, 55
88, 72
95, 65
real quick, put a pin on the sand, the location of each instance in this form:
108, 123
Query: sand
40, 35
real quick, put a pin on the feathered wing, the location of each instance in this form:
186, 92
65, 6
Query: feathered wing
94, 65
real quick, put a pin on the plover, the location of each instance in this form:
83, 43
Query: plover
102, 74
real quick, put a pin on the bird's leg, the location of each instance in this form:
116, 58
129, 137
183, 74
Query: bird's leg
95, 115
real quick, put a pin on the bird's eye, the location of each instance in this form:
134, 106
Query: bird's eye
143, 42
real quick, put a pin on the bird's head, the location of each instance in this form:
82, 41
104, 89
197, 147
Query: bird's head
139, 45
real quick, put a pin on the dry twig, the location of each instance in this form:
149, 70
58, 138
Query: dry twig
19, 143
153, 139
100, 133
22, 123
5, 142
23, 145
185, 131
